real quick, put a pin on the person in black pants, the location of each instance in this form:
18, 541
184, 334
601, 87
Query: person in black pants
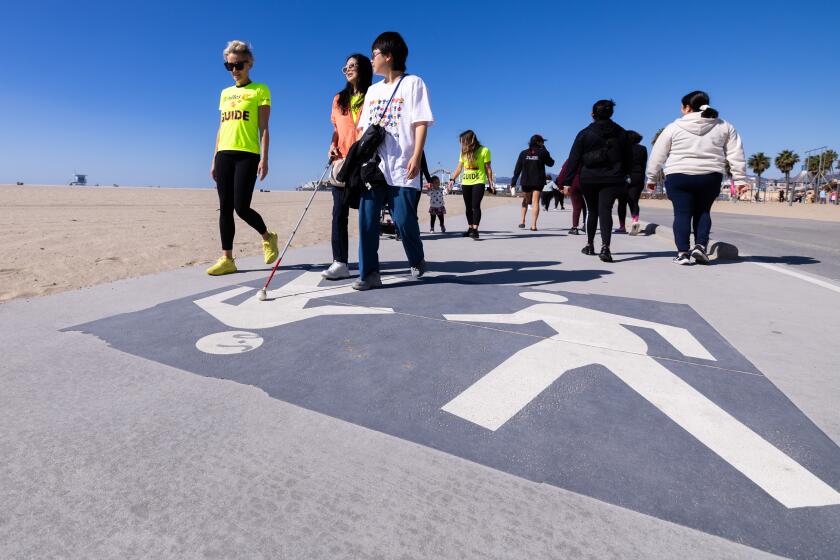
636, 186
347, 108
602, 154
697, 148
241, 155
531, 165
474, 161
559, 199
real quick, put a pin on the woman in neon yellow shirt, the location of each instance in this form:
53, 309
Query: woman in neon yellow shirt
475, 162
242, 137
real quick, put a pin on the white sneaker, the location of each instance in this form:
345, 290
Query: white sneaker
336, 271
682, 258
699, 254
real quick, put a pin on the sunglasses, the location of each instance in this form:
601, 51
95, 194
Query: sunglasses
349, 68
235, 65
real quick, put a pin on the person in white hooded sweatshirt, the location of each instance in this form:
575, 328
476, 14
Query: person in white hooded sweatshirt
694, 150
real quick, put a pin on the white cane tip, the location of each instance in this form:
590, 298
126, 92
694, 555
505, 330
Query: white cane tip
262, 295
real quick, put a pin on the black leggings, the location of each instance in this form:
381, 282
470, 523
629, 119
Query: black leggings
472, 202
546, 197
599, 202
634, 193
236, 175
559, 199
440, 217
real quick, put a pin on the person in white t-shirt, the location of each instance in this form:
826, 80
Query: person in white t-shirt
405, 120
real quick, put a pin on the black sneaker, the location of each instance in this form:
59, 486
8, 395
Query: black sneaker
699, 254
574, 231
605, 254
682, 258
588, 250
474, 234
467, 233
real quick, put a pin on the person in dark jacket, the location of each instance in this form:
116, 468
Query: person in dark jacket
636, 185
531, 165
603, 156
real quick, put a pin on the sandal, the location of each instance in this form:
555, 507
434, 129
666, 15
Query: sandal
533, 229
521, 226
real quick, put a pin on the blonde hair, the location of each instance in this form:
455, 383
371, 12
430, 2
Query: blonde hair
469, 146
238, 47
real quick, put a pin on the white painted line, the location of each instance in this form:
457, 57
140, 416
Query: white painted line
806, 278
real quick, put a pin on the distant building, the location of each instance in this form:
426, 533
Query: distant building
79, 179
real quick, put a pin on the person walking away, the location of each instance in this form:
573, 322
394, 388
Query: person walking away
601, 153
547, 194
636, 183
474, 160
694, 151
404, 100
346, 111
578, 205
437, 205
559, 197
531, 165
241, 155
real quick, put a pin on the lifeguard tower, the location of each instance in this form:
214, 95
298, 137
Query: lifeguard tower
79, 179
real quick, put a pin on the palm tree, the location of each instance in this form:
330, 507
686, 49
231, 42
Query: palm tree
784, 163
656, 136
759, 163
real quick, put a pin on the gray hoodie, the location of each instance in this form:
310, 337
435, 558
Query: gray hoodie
694, 145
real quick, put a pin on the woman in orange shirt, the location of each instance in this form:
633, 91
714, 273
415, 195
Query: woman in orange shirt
346, 109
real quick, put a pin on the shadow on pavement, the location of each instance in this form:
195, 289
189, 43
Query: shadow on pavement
499, 272
642, 255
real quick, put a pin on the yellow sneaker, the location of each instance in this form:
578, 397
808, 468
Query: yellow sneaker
270, 248
224, 265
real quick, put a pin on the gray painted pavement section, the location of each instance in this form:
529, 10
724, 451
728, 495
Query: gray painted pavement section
112, 455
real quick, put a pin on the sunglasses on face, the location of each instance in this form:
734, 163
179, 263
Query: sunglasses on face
235, 65
349, 68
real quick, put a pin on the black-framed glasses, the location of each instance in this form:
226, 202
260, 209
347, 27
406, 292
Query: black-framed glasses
235, 65
349, 68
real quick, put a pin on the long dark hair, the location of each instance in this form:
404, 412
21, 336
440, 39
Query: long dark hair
697, 99
365, 71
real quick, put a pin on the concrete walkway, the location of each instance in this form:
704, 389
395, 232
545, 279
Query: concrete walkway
521, 401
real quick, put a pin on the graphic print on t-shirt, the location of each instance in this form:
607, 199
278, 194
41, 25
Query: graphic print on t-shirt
475, 173
239, 116
391, 119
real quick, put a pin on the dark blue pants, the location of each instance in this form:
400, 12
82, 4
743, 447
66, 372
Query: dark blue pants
340, 215
403, 204
692, 197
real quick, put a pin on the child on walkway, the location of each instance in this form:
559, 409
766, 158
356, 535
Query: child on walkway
437, 206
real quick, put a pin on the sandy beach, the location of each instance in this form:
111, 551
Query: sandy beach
59, 238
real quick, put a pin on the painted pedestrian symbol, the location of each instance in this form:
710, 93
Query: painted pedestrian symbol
287, 304
587, 337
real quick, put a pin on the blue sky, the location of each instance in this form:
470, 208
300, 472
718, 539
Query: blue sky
128, 92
